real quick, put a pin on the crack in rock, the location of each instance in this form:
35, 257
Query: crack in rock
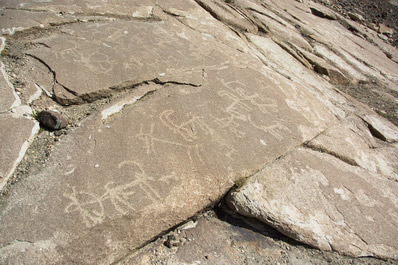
323, 150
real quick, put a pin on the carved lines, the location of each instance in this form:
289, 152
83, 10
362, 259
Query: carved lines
187, 129
241, 105
150, 140
120, 196
273, 129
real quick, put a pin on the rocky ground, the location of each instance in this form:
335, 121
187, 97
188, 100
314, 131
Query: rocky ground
198, 132
373, 13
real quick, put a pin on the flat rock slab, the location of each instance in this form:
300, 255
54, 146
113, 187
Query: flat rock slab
207, 100
322, 201
135, 8
92, 59
8, 98
115, 183
15, 136
11, 22
353, 143
340, 48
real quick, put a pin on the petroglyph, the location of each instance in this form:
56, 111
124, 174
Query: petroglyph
230, 124
11, 31
241, 105
103, 55
87, 205
150, 140
264, 104
187, 129
96, 61
122, 197
274, 129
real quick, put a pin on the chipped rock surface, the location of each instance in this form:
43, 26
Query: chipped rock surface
172, 103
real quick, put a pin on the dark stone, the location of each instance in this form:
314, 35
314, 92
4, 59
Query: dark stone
52, 120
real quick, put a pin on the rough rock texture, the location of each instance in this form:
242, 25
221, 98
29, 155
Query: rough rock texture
322, 201
171, 104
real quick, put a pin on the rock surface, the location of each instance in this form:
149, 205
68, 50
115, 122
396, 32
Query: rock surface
161, 161
324, 202
171, 104
221, 238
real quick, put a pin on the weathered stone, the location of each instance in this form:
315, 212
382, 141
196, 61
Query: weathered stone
341, 48
52, 120
356, 17
381, 128
323, 68
135, 8
279, 27
9, 98
120, 55
194, 16
37, 80
353, 144
230, 240
162, 161
16, 134
227, 14
322, 201
10, 22
340, 63
209, 241
201, 94
383, 29
323, 12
